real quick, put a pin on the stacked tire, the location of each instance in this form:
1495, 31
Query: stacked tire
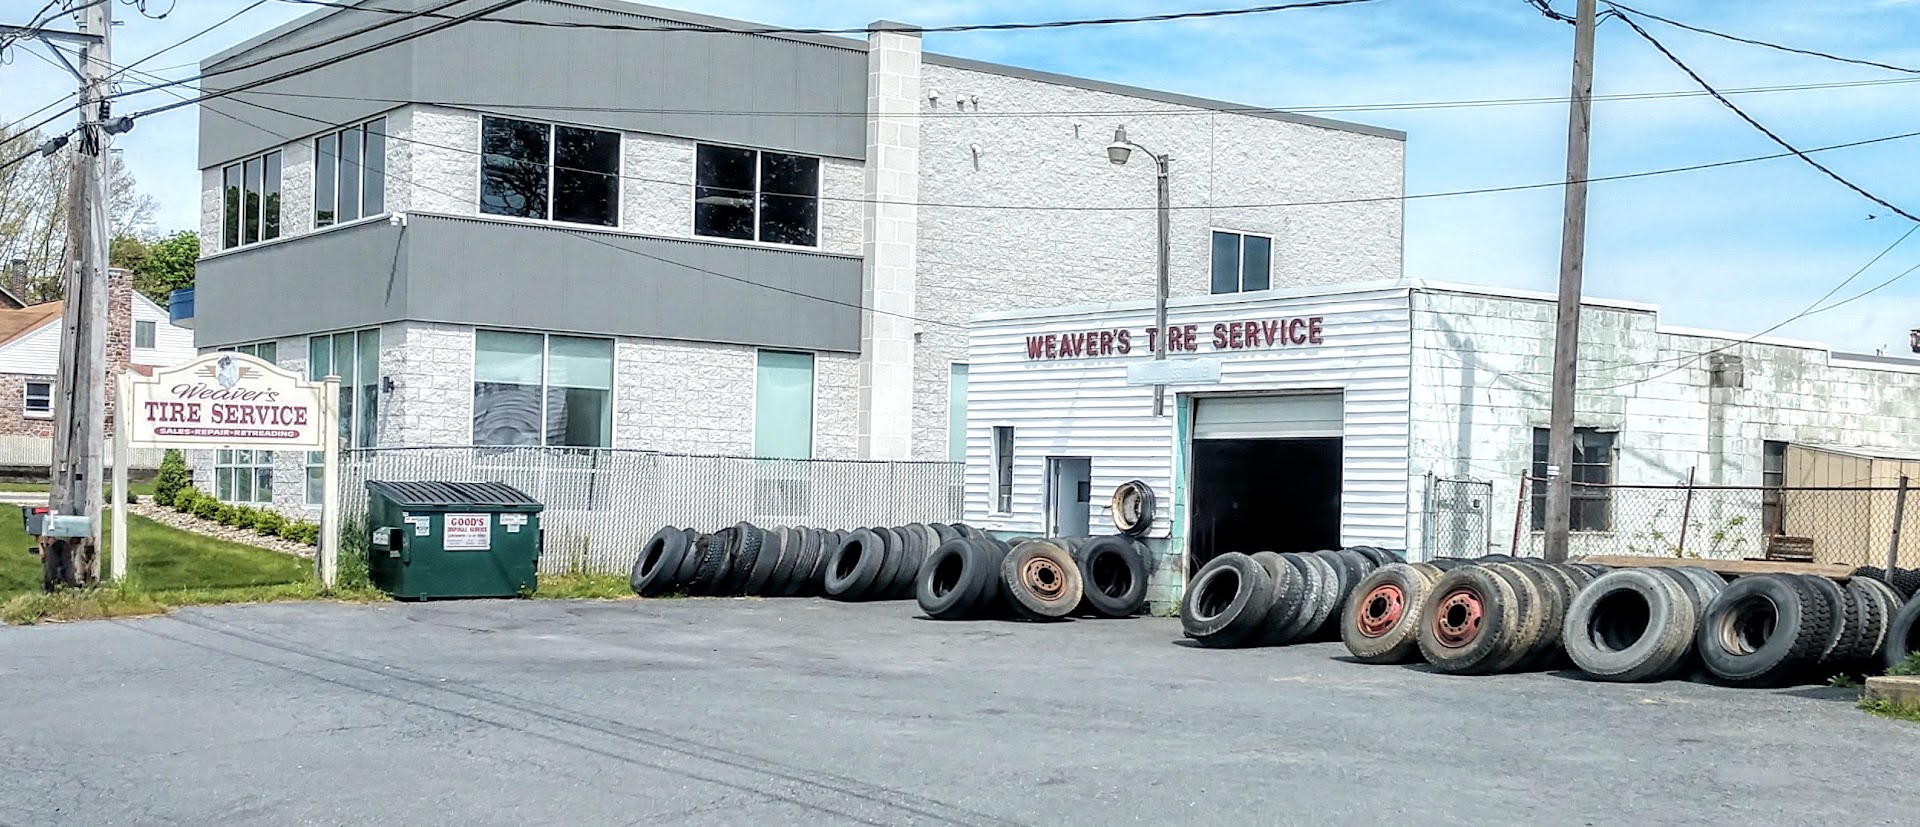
1036, 579
746, 560
1487, 616
1268, 599
1640, 624
1779, 629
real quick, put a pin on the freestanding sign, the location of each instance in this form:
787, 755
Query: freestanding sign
229, 400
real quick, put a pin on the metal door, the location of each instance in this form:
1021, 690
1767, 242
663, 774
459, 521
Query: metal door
1069, 496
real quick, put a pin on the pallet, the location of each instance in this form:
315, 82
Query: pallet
1730, 568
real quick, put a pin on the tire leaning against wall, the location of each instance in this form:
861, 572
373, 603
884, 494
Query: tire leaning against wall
1113, 577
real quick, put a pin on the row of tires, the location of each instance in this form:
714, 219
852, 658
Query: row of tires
1273, 599
1629, 624
1036, 579
744, 559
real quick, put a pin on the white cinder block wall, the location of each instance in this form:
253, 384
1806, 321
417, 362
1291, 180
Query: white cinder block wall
1482, 363
977, 149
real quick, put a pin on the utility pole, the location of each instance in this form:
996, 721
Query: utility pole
1566, 335
80, 404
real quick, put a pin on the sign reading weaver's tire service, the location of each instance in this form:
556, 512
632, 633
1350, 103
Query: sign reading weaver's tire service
226, 400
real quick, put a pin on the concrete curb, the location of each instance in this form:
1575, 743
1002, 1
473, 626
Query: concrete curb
1899, 689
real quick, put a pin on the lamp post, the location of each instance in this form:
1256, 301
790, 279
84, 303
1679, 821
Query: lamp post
1118, 152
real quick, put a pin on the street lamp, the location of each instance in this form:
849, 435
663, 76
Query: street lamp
1118, 152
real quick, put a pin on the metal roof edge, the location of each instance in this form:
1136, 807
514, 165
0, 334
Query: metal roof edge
1875, 361
1175, 98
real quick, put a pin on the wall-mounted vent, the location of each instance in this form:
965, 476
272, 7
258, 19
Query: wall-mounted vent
1726, 370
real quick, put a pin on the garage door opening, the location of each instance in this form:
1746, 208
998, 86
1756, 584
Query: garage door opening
1266, 474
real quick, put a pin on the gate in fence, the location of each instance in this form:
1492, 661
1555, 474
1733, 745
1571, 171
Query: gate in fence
603, 503
1459, 517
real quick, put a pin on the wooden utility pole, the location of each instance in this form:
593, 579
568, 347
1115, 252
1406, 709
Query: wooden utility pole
80, 402
1566, 335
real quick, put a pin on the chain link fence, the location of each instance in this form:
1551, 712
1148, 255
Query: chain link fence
1853, 526
1459, 517
602, 504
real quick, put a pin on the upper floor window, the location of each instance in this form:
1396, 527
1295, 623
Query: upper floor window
538, 170
350, 173
251, 201
1591, 501
1241, 262
265, 351
144, 333
535, 389
757, 196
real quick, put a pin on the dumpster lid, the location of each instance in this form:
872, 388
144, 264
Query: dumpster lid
442, 494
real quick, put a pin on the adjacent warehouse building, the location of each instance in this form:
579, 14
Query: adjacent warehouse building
1313, 418
706, 241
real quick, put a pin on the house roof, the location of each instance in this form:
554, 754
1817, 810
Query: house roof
17, 323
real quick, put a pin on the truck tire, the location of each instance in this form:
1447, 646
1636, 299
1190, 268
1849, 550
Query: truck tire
948, 584
1903, 634
1113, 578
1465, 616
1226, 604
1382, 622
1285, 591
1834, 598
773, 543
1629, 625
1529, 623
1042, 580
852, 567
1763, 630
1324, 601
1133, 507
659, 561
1289, 619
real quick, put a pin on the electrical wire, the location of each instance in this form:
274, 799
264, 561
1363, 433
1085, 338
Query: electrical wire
1097, 113
1752, 42
965, 27
192, 37
1757, 125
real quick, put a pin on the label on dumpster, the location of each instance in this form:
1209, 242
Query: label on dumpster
467, 532
513, 522
422, 526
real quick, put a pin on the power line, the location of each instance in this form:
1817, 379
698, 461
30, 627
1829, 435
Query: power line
1186, 111
1757, 125
1752, 42
192, 37
965, 27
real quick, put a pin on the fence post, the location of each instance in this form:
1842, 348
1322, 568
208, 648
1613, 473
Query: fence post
1899, 514
1519, 512
1686, 514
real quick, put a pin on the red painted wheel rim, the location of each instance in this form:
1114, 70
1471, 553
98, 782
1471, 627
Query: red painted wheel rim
1381, 609
1456, 620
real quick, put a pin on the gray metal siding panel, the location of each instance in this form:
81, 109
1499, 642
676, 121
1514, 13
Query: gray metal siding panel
472, 271
344, 278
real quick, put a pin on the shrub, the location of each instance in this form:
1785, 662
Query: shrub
290, 531
172, 479
306, 533
270, 523
206, 508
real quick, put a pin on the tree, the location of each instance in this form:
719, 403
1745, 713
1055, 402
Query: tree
125, 252
167, 266
33, 211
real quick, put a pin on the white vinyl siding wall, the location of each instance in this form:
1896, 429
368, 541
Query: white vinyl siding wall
1084, 407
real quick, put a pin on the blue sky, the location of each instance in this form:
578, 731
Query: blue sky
1739, 248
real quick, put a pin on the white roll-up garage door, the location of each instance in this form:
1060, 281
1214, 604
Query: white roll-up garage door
1270, 416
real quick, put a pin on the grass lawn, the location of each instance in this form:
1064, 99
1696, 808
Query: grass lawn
144, 489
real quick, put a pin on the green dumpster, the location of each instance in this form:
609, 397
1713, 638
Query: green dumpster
434, 540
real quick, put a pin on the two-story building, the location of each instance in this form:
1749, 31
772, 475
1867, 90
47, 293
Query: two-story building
658, 230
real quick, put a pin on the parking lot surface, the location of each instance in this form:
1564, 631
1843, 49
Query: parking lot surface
808, 712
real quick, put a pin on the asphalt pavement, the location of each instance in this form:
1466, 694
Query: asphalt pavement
693, 712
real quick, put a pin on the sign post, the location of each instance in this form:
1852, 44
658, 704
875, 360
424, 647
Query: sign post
117, 561
231, 400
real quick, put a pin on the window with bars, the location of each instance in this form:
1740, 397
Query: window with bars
754, 195
350, 173
1591, 501
1773, 475
250, 201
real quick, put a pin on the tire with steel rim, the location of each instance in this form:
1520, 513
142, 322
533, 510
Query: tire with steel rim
1382, 622
1133, 508
1226, 603
1763, 630
1629, 625
1464, 618
1041, 579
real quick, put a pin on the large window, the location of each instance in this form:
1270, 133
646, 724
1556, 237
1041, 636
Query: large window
1003, 469
537, 170
350, 173
957, 412
1241, 262
38, 403
251, 201
536, 389
757, 196
1773, 475
1592, 478
354, 356
783, 406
